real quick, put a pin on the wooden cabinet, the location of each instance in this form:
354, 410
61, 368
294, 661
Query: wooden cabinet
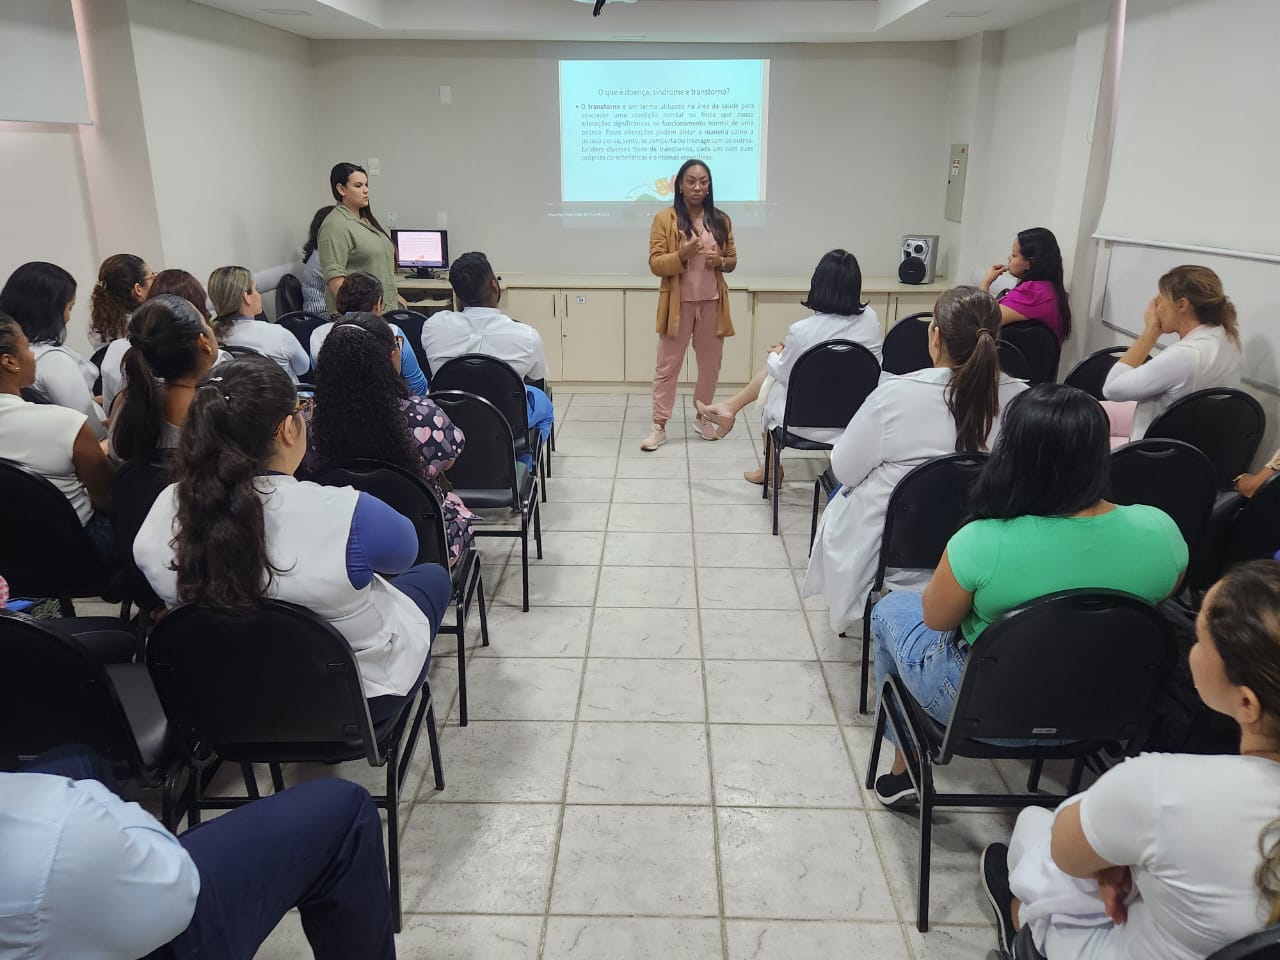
541, 310
737, 366
591, 332
905, 304
641, 340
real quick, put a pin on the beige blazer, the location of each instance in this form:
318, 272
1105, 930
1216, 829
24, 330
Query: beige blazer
664, 261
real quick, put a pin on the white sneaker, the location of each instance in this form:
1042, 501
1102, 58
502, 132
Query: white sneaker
656, 438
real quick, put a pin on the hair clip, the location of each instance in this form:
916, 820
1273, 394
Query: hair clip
214, 380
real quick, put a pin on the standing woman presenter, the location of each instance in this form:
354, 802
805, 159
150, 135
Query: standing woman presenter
691, 249
351, 240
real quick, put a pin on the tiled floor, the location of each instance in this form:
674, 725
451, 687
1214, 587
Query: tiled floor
665, 755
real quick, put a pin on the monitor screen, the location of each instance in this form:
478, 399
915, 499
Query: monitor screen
421, 248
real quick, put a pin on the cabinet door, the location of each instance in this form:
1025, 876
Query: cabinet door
883, 305
906, 304
774, 315
593, 335
542, 310
641, 348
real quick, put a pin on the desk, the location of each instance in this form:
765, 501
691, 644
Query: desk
599, 328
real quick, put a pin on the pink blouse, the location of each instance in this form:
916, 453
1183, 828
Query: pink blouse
699, 282
1036, 300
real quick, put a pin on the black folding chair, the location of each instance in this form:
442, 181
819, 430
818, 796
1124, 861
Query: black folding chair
827, 386
1038, 345
906, 345
412, 322
302, 325
1239, 529
98, 356
288, 296
45, 551
1091, 373
134, 490
413, 498
1223, 423
54, 692
487, 475
925, 509
239, 350
279, 685
1083, 666
1012, 361
1263, 945
1168, 474
497, 382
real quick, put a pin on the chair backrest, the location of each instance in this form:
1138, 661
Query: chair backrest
276, 682
491, 378
133, 492
98, 356
925, 509
45, 551
1225, 424
1091, 373
1039, 345
240, 350
1077, 665
1012, 360
1168, 474
488, 461
906, 345
409, 495
1263, 945
1255, 530
828, 384
288, 295
53, 693
411, 322
302, 324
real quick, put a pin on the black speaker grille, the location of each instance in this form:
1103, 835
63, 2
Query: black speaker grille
911, 270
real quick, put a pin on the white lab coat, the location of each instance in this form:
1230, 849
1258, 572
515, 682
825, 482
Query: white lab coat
903, 423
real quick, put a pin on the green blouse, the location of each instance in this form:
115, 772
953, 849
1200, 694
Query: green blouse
347, 245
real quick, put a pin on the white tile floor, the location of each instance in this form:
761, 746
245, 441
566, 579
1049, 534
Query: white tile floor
665, 754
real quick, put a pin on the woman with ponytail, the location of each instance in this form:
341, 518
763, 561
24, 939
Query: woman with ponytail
1192, 304
1167, 856
123, 283
951, 407
171, 348
236, 527
1039, 295
1039, 524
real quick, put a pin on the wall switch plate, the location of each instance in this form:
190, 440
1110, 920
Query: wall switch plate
375, 166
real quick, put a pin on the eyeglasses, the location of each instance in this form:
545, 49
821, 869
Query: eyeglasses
306, 408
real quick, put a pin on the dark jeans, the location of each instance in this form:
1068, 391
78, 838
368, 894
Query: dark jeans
430, 586
317, 847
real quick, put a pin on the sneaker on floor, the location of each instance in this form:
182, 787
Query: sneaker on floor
895, 791
656, 438
705, 428
994, 871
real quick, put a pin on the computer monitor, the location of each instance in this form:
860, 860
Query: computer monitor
423, 251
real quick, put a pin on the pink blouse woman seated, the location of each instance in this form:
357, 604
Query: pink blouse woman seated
1039, 294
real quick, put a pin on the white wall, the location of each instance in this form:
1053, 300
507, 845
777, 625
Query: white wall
857, 148
47, 213
229, 113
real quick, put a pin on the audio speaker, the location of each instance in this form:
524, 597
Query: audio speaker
919, 259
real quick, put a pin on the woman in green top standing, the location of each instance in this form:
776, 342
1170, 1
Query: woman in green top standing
352, 240
1040, 525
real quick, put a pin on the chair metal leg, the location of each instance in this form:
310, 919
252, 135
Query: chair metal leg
543, 461
484, 616
813, 523
926, 849
460, 624
433, 741
392, 807
764, 487
876, 740
537, 528
1033, 777
250, 780
1077, 774
777, 483
66, 607
277, 777
524, 561
866, 655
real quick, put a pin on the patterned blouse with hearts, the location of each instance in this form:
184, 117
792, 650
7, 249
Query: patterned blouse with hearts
441, 443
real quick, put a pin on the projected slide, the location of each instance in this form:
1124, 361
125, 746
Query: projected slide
627, 125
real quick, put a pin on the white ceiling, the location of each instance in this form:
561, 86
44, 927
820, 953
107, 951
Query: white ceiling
703, 21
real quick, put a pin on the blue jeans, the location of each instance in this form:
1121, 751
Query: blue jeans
541, 417
928, 662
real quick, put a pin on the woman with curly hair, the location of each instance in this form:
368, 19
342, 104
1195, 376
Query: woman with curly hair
364, 410
123, 282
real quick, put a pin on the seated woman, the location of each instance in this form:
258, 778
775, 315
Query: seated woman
172, 347
835, 296
313, 285
362, 293
364, 410
236, 305
1040, 525
177, 282
237, 527
1167, 856
123, 282
1192, 304
40, 296
1039, 294
53, 441
952, 407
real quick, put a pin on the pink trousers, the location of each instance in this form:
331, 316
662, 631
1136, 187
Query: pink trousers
697, 321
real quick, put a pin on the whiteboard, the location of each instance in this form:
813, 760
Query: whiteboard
41, 78
1252, 285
